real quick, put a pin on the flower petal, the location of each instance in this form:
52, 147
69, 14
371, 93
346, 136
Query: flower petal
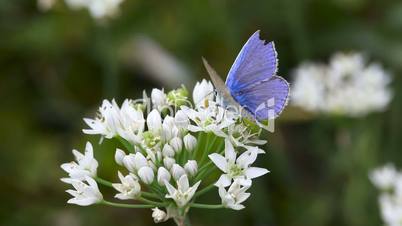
230, 153
219, 161
223, 181
254, 172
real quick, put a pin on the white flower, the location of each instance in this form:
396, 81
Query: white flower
99, 9
203, 92
177, 171
146, 174
234, 196
85, 194
132, 162
236, 168
158, 215
168, 151
132, 122
108, 121
191, 167
384, 177
119, 156
176, 144
163, 175
158, 98
154, 122
181, 120
347, 86
391, 210
184, 193
86, 164
129, 187
212, 119
190, 142
168, 162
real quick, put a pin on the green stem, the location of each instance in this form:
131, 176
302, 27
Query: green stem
208, 146
126, 144
150, 195
124, 205
103, 182
204, 190
206, 206
158, 204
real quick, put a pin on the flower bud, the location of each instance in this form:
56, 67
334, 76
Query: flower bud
168, 151
181, 119
191, 167
166, 133
158, 215
119, 156
176, 144
168, 121
154, 121
146, 174
163, 175
139, 160
158, 98
168, 162
177, 171
129, 162
202, 92
190, 142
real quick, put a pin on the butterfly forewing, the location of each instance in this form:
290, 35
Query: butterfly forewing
256, 62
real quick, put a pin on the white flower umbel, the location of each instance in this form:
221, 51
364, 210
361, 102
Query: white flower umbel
86, 164
236, 168
85, 194
385, 177
129, 187
234, 196
183, 193
347, 86
163, 144
389, 180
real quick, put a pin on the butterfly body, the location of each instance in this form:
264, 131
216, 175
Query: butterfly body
252, 82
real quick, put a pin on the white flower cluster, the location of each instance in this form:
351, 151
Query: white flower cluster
170, 148
347, 86
389, 180
99, 9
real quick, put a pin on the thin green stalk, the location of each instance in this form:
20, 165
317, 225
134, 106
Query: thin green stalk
204, 190
124, 205
150, 195
126, 144
207, 148
103, 182
200, 143
147, 201
206, 206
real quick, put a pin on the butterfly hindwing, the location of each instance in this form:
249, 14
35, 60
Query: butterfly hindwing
256, 62
267, 95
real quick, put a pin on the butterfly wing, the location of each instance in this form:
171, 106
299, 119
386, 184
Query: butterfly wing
267, 95
219, 84
256, 62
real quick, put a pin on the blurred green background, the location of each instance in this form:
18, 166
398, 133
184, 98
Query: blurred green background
57, 66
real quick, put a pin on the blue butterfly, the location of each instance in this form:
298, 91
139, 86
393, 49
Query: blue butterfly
252, 82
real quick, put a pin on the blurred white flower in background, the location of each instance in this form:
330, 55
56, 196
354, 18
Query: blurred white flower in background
347, 86
389, 181
99, 9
